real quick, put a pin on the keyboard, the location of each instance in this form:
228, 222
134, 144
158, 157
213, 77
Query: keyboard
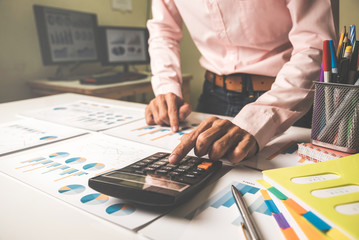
156, 182
107, 78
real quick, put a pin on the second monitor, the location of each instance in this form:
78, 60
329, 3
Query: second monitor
123, 46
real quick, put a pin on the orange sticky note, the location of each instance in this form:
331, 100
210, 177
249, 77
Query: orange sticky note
295, 206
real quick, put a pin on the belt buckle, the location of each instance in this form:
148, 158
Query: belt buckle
224, 82
213, 77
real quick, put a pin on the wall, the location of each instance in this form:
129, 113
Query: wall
349, 14
20, 58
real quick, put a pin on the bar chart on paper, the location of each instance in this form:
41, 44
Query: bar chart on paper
156, 135
216, 218
63, 169
45, 165
88, 115
27, 133
225, 199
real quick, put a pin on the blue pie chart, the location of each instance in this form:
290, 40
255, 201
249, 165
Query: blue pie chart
94, 199
75, 160
59, 155
72, 189
120, 209
94, 166
48, 138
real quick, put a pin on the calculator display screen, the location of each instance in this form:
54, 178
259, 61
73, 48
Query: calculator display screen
148, 182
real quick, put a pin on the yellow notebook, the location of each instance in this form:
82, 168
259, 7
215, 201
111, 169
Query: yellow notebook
330, 189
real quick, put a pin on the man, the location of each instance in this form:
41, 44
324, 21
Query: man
243, 43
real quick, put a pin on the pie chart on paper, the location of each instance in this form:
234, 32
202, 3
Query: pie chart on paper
59, 155
93, 166
48, 138
72, 189
75, 160
94, 199
120, 209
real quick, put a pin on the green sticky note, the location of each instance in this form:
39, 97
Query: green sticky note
277, 193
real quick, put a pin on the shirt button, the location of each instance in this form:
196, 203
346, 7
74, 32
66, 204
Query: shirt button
211, 1
221, 35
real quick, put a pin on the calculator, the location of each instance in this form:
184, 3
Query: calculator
153, 181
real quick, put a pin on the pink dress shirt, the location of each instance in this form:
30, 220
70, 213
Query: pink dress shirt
281, 38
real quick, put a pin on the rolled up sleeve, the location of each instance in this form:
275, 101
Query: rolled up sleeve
165, 30
291, 95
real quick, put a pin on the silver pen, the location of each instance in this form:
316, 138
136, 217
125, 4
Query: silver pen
243, 209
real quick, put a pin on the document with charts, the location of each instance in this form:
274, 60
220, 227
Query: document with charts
281, 151
62, 170
157, 135
213, 214
26, 133
88, 115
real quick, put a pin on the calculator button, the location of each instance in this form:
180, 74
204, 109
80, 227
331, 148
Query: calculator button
136, 166
194, 161
197, 173
168, 168
191, 176
165, 159
172, 165
180, 170
185, 167
161, 163
201, 170
162, 172
149, 170
155, 165
140, 172
184, 160
205, 165
142, 163
147, 160
174, 174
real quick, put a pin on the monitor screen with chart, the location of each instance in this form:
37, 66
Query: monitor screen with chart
123, 45
66, 36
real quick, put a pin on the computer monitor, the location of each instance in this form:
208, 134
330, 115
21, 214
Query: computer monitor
66, 36
123, 46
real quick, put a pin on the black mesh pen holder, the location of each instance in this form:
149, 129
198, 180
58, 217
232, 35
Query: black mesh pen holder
335, 122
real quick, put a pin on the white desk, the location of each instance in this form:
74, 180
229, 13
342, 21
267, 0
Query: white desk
27, 213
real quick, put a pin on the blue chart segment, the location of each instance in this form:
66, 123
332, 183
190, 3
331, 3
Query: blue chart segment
94, 199
120, 209
94, 166
59, 155
224, 198
75, 160
60, 108
48, 138
72, 189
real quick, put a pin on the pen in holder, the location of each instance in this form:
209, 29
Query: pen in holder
335, 122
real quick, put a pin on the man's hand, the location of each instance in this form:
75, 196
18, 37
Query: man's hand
217, 138
167, 109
